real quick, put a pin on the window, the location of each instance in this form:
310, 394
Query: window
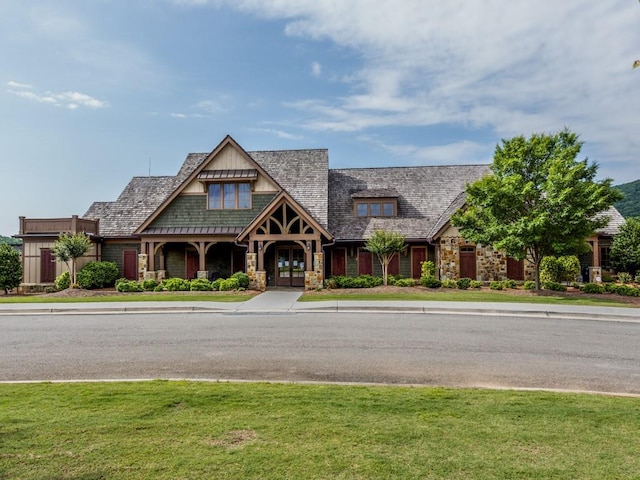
375, 208
605, 257
362, 210
229, 196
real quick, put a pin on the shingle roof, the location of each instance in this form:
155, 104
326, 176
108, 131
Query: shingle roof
615, 222
425, 193
376, 193
304, 174
140, 198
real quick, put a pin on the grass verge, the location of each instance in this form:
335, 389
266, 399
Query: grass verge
168, 430
469, 296
128, 297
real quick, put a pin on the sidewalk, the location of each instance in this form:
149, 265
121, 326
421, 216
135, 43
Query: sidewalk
286, 301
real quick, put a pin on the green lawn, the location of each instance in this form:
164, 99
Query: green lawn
445, 295
131, 297
171, 430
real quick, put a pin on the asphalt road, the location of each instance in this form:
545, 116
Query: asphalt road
367, 347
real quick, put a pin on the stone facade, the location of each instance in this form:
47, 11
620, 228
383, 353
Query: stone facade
314, 279
490, 264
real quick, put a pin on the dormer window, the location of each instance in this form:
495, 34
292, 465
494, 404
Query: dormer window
370, 208
229, 196
375, 203
228, 189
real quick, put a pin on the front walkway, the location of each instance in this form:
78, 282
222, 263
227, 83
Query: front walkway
271, 301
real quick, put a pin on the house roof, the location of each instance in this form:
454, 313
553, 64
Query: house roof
302, 173
138, 200
615, 222
424, 195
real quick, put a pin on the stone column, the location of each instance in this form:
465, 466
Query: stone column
142, 265
595, 274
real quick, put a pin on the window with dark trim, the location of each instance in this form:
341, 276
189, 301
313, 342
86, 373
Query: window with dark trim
229, 196
375, 208
605, 257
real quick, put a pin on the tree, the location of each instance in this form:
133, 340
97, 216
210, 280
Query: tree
538, 201
385, 245
10, 268
625, 249
68, 248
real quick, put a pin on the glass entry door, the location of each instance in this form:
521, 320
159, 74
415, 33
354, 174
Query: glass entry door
290, 265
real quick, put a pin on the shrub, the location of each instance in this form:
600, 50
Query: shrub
610, 287
576, 285
229, 284
569, 268
215, 285
10, 268
49, 289
243, 279
150, 284
474, 284
637, 279
176, 284
394, 279
554, 286
97, 275
449, 283
593, 288
158, 288
405, 282
63, 281
363, 281
464, 283
508, 283
430, 282
624, 277
549, 270
496, 285
626, 290
121, 279
200, 285
428, 269
529, 285
129, 286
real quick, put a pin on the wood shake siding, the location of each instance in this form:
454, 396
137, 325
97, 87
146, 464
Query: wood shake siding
191, 211
114, 252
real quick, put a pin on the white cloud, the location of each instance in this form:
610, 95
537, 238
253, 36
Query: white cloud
463, 152
278, 133
70, 100
316, 69
503, 66
13, 84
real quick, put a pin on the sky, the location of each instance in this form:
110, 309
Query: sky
94, 92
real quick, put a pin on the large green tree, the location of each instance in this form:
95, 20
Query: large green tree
10, 268
538, 200
625, 250
385, 245
68, 248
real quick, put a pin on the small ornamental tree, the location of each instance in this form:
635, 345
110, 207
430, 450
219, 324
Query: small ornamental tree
539, 200
10, 268
385, 245
68, 248
625, 249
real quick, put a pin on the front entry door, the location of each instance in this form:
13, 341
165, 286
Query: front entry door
290, 267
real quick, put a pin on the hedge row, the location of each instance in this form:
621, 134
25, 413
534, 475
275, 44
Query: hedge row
237, 281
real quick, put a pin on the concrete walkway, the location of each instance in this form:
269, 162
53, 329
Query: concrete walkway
279, 301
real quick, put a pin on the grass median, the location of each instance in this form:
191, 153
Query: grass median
515, 296
168, 430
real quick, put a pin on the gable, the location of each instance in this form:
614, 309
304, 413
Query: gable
230, 162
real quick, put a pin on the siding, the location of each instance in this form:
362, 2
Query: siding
191, 211
112, 252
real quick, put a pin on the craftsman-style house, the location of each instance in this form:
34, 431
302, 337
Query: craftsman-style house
283, 217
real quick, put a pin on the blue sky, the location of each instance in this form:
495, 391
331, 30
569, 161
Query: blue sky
94, 92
